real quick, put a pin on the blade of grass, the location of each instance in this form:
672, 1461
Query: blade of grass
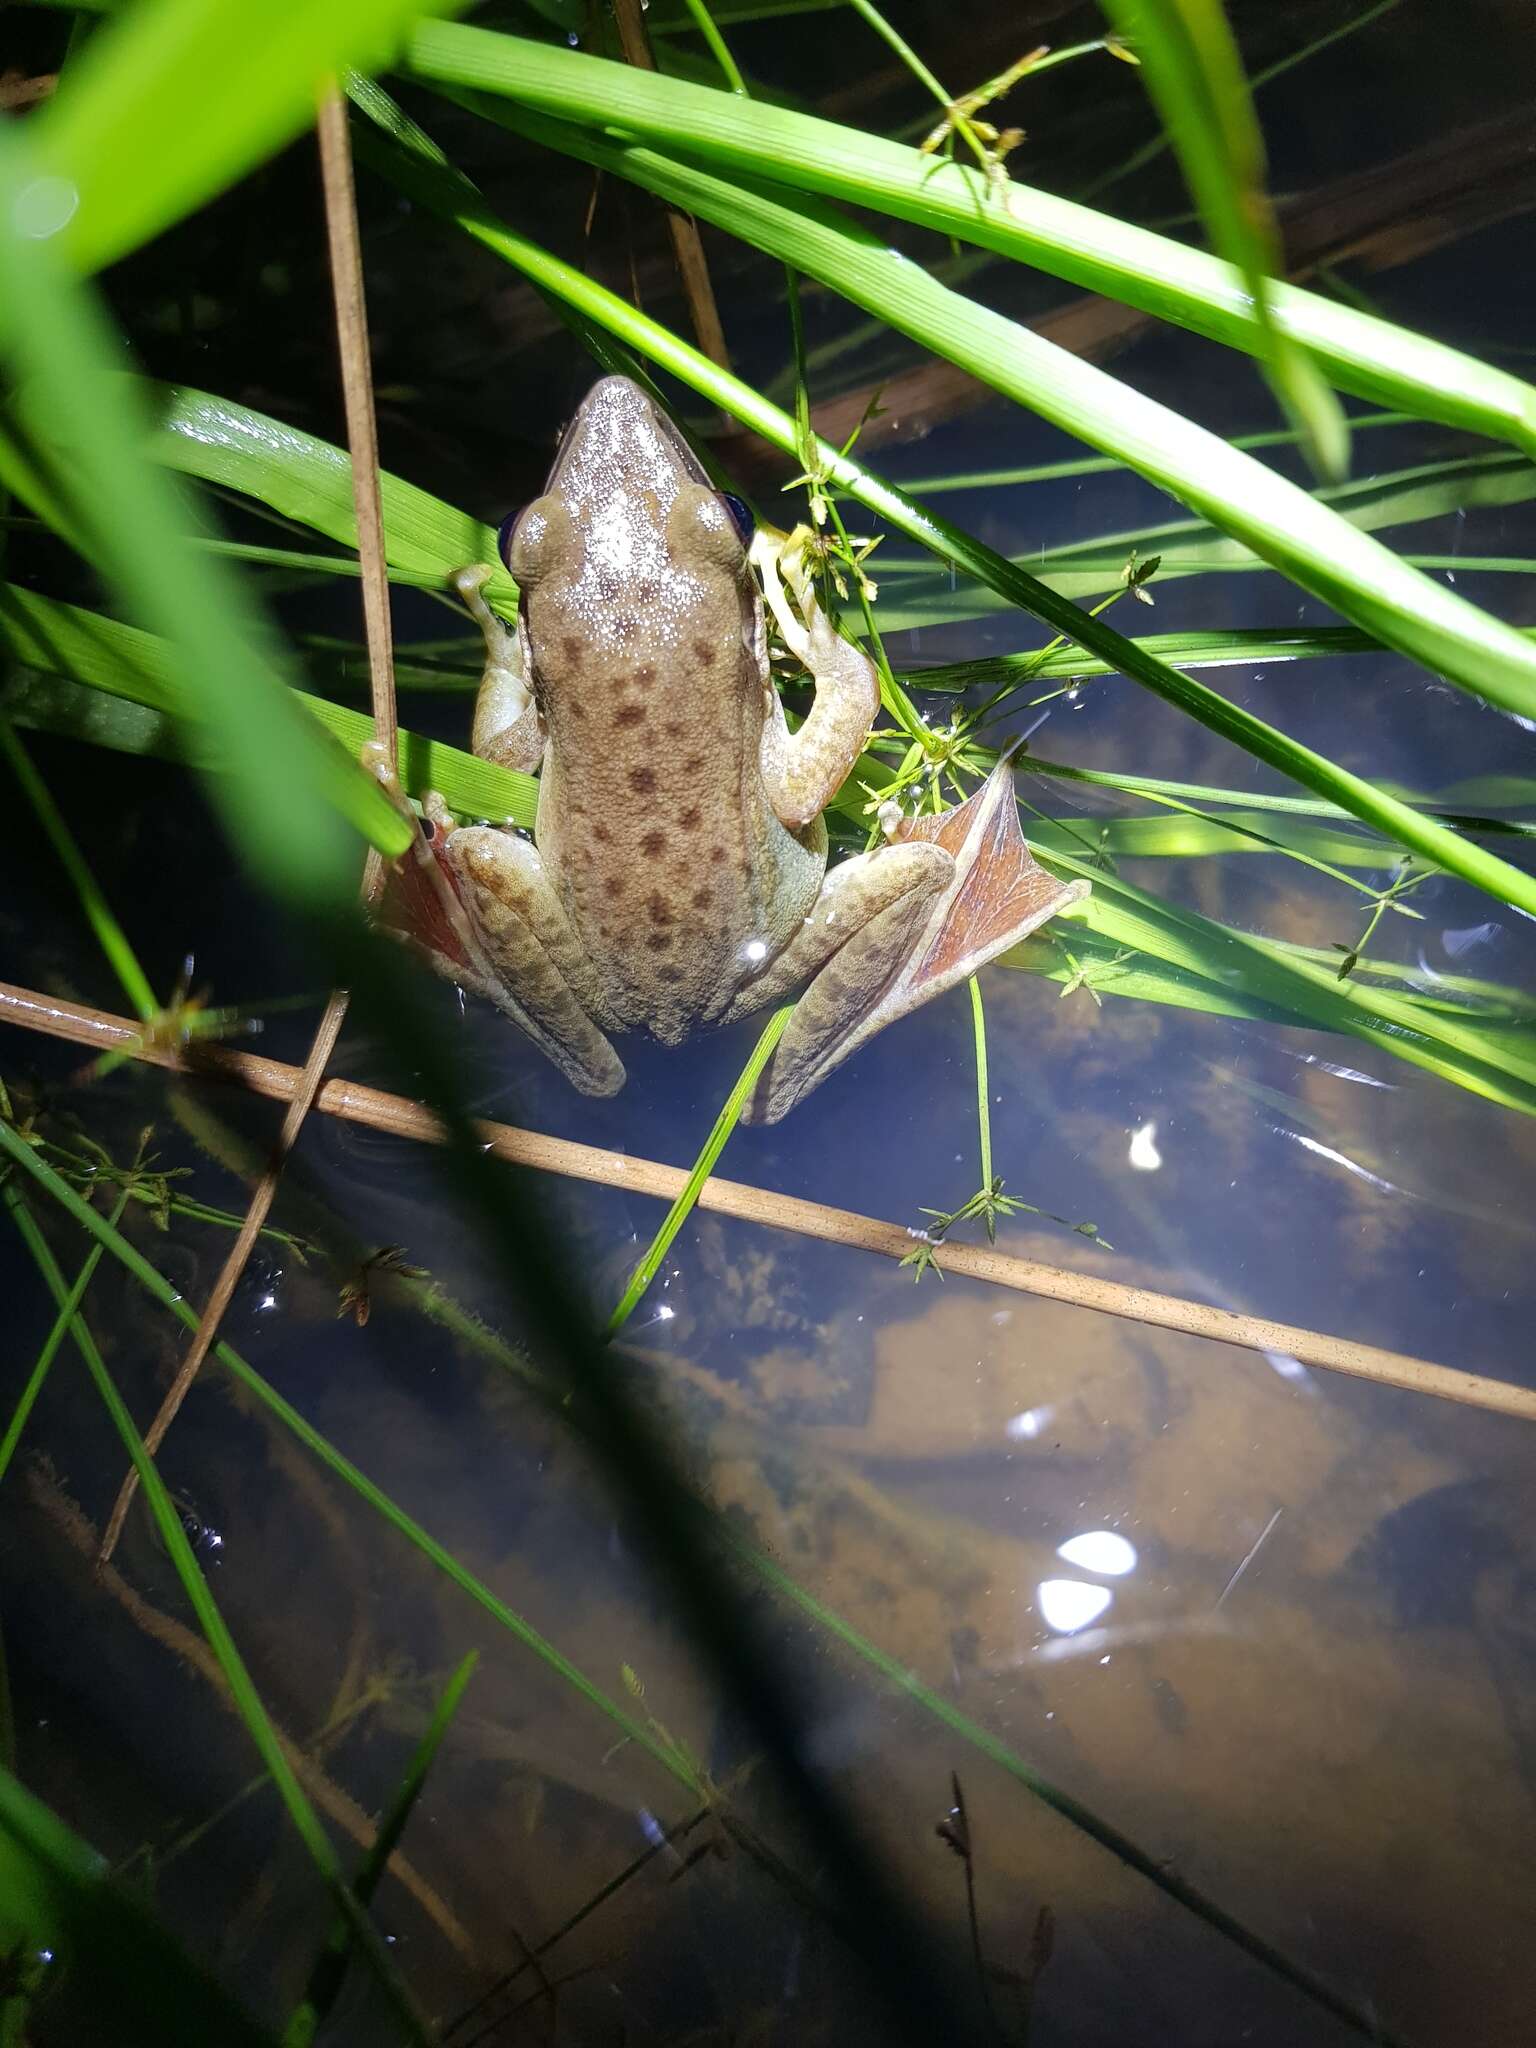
159, 1289
138, 666
1279, 521
175, 99
304, 1819
325, 1979
1371, 357
294, 803
411, 161
133, 1982
64, 1322
110, 935
703, 1167
1187, 55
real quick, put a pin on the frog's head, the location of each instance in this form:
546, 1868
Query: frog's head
630, 539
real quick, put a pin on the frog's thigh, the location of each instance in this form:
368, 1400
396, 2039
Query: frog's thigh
868, 917
529, 942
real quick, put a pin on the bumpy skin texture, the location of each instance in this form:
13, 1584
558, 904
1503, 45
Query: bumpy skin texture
679, 876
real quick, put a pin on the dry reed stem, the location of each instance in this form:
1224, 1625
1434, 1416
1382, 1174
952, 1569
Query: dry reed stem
401, 1118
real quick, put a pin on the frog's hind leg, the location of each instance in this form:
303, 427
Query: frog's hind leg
870, 913
982, 892
479, 905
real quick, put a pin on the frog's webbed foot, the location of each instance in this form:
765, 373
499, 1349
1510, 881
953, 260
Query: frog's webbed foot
506, 729
802, 771
973, 890
476, 903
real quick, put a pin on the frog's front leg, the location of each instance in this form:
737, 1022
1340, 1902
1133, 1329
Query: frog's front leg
507, 729
894, 928
802, 771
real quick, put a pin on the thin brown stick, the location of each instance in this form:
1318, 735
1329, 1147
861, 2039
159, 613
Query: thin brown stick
404, 1119
362, 437
300, 1103
687, 243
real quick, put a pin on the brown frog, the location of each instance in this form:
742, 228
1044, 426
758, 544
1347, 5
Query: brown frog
679, 877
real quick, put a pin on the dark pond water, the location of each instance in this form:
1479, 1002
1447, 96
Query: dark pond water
1275, 1626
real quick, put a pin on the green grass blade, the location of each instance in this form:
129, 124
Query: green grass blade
232, 1668
127, 1978
64, 1322
65, 640
1356, 352
331, 1966
1279, 521
1191, 65
159, 1289
703, 1167
295, 804
176, 99
110, 935
409, 161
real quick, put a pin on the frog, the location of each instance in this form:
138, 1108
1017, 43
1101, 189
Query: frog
678, 876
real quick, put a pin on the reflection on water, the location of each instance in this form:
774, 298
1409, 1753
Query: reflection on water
1277, 1628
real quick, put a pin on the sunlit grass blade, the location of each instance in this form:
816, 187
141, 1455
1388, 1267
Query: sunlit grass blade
1187, 55
1357, 353
248, 1702
66, 640
310, 480
1283, 526
412, 161
703, 1167
1213, 647
330, 1967
912, 592
127, 1978
295, 803
176, 99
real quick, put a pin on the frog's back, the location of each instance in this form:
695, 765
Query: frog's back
645, 632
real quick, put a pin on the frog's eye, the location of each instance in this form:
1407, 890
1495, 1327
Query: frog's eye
504, 534
741, 516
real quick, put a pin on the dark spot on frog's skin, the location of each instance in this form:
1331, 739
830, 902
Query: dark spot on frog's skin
658, 942
646, 592
629, 714
673, 728
574, 709
601, 833
701, 899
657, 908
703, 654
688, 820
644, 676
613, 885
716, 855
570, 647
653, 843
642, 780
694, 764
669, 974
